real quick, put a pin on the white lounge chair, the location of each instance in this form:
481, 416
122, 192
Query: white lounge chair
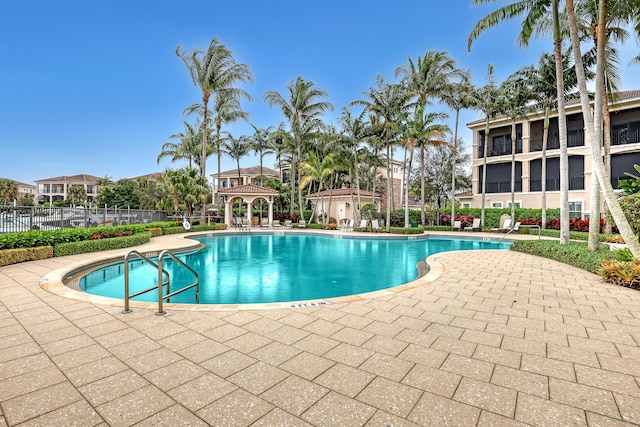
347, 225
475, 226
457, 226
302, 224
288, 223
276, 223
264, 222
505, 226
363, 223
375, 225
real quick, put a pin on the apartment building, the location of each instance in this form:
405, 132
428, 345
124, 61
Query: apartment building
625, 152
57, 188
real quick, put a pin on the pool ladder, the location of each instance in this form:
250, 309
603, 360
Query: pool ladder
163, 280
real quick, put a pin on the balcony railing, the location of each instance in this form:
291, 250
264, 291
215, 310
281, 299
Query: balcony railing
500, 149
553, 142
553, 184
503, 187
625, 137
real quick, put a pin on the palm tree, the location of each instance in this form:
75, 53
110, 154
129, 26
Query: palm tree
541, 81
516, 97
77, 194
390, 102
214, 71
302, 109
422, 132
188, 147
261, 144
534, 11
593, 123
457, 96
236, 148
8, 190
354, 132
487, 99
314, 169
183, 187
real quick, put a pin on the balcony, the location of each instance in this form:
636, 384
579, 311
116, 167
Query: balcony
500, 149
503, 187
625, 136
574, 139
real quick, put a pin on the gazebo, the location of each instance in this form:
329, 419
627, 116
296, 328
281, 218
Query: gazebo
248, 193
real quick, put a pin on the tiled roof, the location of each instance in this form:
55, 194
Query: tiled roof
73, 178
250, 171
249, 189
340, 192
20, 184
150, 176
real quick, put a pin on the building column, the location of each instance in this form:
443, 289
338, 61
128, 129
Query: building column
228, 213
270, 214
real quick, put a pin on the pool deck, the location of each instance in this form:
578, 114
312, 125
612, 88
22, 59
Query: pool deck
487, 338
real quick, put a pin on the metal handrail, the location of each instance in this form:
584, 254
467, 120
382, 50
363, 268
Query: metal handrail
161, 297
161, 282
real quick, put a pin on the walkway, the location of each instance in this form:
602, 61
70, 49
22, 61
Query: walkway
500, 338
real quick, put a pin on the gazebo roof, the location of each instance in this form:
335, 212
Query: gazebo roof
249, 189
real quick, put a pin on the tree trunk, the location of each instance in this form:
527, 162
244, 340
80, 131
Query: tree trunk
422, 217
389, 186
203, 160
484, 169
562, 130
606, 124
545, 139
513, 171
614, 206
404, 193
453, 170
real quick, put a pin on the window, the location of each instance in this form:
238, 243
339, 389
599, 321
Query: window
466, 205
517, 205
496, 204
575, 210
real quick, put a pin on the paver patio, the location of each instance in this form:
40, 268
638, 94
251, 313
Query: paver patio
499, 338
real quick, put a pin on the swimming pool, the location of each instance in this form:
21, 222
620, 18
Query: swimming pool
280, 267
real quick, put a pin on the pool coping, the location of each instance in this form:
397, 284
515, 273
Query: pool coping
55, 281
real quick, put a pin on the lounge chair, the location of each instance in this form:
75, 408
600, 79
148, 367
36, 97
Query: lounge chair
457, 226
506, 226
246, 224
276, 223
347, 225
515, 228
363, 223
302, 224
375, 225
475, 226
288, 224
264, 222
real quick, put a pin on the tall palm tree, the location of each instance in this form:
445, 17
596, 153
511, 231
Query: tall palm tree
261, 144
236, 148
457, 96
391, 103
422, 131
516, 97
214, 71
487, 99
315, 169
541, 80
302, 108
593, 123
188, 147
354, 131
534, 11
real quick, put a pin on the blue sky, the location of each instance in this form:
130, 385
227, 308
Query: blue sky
96, 87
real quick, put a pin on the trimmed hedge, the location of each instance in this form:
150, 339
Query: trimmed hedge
575, 253
14, 256
403, 230
74, 248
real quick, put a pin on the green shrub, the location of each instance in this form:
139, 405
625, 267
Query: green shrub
575, 253
402, 230
436, 228
314, 226
14, 256
631, 207
73, 248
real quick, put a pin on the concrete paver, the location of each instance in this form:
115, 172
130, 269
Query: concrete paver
487, 338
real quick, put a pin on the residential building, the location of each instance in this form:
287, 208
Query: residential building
57, 188
234, 178
625, 152
25, 190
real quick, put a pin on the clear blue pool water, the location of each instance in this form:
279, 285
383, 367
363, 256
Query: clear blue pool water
262, 268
